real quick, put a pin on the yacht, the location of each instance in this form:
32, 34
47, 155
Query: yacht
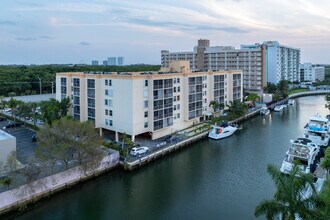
317, 130
222, 131
264, 111
303, 152
291, 102
278, 108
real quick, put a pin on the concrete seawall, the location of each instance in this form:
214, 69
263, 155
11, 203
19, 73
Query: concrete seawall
14, 199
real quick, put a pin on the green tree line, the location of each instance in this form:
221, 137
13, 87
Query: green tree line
24, 80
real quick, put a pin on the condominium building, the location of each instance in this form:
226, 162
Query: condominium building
120, 61
312, 73
150, 103
95, 63
258, 61
112, 61
282, 62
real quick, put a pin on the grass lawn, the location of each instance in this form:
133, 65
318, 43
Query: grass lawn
293, 91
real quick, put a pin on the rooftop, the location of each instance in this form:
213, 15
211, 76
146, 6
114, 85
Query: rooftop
5, 136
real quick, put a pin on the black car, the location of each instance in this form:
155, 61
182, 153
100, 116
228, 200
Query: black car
12, 124
2, 119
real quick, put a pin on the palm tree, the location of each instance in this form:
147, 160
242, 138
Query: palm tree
216, 106
289, 199
236, 109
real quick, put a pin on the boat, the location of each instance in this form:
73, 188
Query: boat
303, 152
291, 102
264, 111
222, 131
278, 108
317, 130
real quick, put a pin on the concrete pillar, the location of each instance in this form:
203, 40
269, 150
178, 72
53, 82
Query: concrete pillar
101, 132
116, 136
133, 138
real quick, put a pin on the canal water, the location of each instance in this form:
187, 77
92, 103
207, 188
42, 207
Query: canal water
223, 179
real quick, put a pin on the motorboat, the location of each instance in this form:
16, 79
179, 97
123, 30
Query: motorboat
317, 130
302, 152
264, 111
278, 108
222, 131
291, 102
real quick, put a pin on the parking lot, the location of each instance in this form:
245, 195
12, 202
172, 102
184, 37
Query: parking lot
25, 147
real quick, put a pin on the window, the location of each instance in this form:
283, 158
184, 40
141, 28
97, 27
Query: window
146, 82
145, 124
174, 98
146, 104
90, 83
106, 122
145, 114
110, 112
178, 115
145, 93
174, 80
106, 92
110, 123
178, 80
111, 93
178, 98
178, 88
174, 107
110, 82
174, 89
178, 107
106, 82
106, 112
106, 102
76, 82
110, 102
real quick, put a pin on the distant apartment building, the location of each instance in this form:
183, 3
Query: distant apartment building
312, 73
253, 60
282, 62
95, 63
149, 103
120, 61
105, 62
112, 61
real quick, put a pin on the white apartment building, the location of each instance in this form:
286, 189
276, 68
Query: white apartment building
260, 63
312, 73
112, 61
282, 62
152, 103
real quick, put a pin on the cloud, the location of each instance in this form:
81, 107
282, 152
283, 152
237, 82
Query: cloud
45, 37
25, 38
84, 43
7, 22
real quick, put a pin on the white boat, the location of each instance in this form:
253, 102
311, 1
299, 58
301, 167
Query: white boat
222, 131
291, 102
264, 111
317, 130
278, 108
304, 152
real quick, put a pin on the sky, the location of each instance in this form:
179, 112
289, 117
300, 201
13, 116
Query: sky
78, 31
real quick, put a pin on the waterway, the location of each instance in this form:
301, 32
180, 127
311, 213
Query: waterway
223, 179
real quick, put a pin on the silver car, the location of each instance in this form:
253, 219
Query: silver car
139, 150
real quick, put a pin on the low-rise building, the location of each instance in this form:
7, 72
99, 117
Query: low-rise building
151, 103
312, 73
7, 145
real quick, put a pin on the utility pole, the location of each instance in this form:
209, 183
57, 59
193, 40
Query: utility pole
39, 83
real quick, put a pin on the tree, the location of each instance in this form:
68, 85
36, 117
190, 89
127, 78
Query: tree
53, 109
216, 106
6, 181
236, 109
13, 104
69, 140
327, 99
283, 88
326, 161
270, 88
289, 199
25, 109
253, 97
323, 208
12, 162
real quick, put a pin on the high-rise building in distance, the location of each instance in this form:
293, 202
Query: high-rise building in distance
95, 63
120, 61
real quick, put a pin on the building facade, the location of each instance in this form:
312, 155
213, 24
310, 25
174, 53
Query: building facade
282, 62
95, 63
260, 63
112, 61
154, 103
312, 73
120, 61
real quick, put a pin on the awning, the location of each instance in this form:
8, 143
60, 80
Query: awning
207, 113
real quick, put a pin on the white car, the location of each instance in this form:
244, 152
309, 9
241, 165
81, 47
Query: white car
139, 150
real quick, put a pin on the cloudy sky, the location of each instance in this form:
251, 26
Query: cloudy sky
78, 31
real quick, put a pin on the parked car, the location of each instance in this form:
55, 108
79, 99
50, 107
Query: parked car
2, 119
173, 139
12, 124
139, 150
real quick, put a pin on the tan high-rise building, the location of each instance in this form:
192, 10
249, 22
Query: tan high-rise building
154, 103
